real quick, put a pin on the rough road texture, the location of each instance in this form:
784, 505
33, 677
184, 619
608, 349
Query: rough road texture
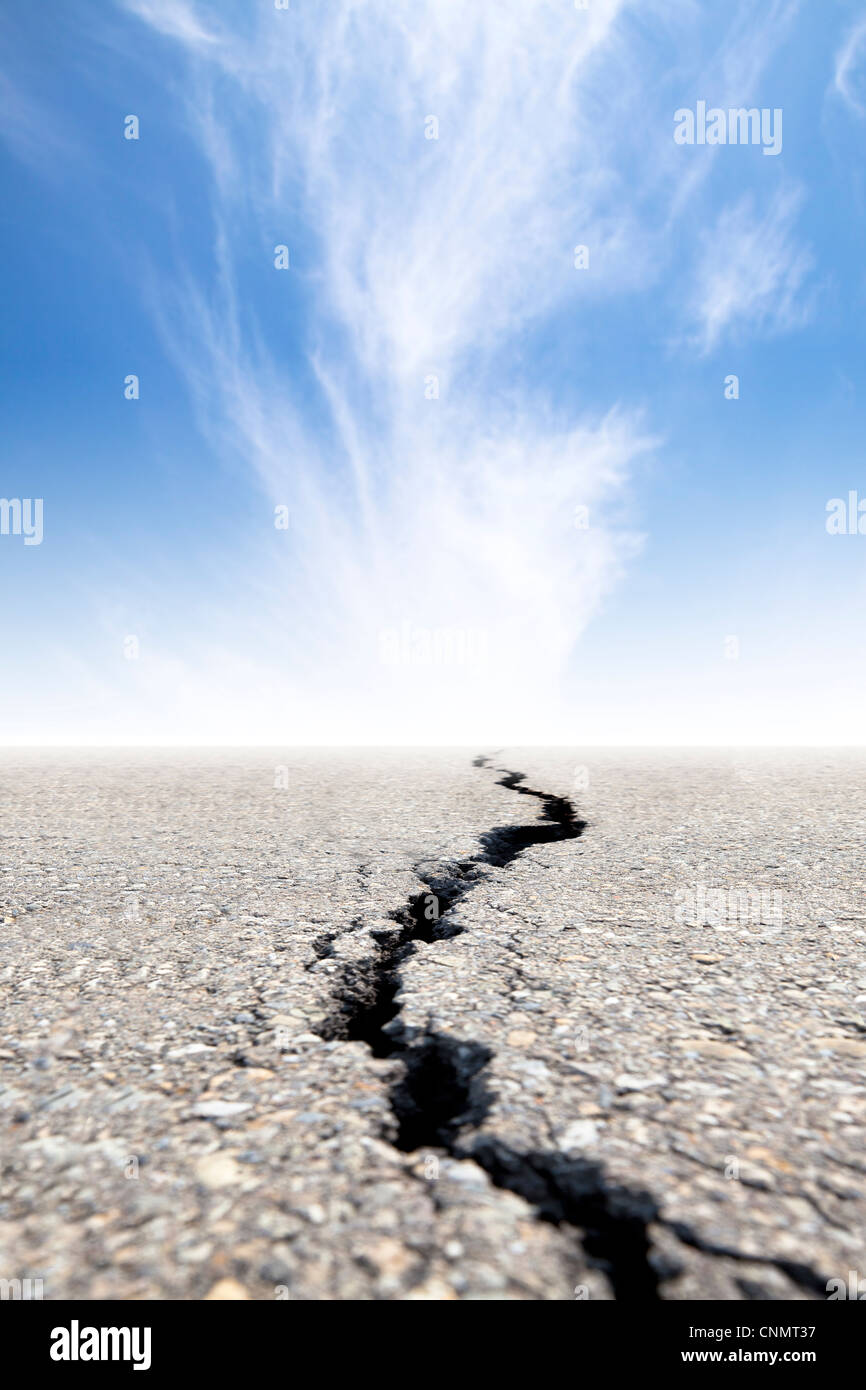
414, 1025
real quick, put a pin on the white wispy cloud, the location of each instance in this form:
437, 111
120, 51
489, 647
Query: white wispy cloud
423, 259
411, 514
174, 18
752, 271
850, 73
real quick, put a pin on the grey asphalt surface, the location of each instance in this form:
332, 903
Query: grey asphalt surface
350, 1036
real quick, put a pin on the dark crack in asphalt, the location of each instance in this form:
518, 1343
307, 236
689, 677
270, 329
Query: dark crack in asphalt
442, 1095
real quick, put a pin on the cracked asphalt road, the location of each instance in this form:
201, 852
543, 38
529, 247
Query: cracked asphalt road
622, 1063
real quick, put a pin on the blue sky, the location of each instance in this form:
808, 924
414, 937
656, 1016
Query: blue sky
432, 387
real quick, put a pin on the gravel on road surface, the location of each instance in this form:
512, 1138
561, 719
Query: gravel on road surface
432, 1024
